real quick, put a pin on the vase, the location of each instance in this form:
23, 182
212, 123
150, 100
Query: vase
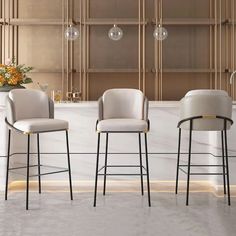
7, 88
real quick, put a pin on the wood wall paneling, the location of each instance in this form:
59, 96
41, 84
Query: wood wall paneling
198, 53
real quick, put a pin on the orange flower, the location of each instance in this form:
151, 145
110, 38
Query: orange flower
12, 81
12, 70
2, 80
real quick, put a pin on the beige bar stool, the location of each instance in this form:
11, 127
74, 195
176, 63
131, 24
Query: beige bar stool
122, 111
205, 110
32, 112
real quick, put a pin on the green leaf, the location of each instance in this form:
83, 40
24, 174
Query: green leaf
27, 80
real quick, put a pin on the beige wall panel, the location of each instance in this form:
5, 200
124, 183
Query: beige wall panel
186, 47
149, 47
52, 79
176, 85
99, 82
40, 47
106, 53
185, 8
48, 9
150, 86
76, 8
76, 55
113, 8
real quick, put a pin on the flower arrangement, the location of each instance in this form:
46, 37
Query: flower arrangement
12, 74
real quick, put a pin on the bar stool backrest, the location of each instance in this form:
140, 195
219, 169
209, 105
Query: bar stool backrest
207, 103
123, 103
28, 104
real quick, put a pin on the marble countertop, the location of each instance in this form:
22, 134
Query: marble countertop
94, 104
152, 104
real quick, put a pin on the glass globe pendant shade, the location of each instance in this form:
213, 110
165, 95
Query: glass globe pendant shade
160, 33
71, 33
115, 33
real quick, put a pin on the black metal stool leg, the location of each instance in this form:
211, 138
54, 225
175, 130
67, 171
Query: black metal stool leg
105, 167
8, 162
96, 174
227, 165
223, 160
27, 180
69, 168
39, 164
141, 163
189, 161
178, 157
147, 167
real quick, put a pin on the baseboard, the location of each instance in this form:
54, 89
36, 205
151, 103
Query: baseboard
122, 186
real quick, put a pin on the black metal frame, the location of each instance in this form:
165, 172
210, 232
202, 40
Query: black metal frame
106, 166
10, 127
224, 147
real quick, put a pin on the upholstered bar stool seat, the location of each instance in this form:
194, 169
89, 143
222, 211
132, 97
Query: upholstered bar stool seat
122, 125
40, 125
31, 112
122, 111
205, 110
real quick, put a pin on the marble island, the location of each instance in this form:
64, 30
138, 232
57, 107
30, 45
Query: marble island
162, 142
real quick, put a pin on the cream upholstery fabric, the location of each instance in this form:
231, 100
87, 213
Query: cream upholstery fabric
29, 104
123, 103
32, 111
40, 125
119, 125
123, 110
206, 92
206, 102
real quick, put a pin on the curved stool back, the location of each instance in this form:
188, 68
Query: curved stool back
207, 103
205, 110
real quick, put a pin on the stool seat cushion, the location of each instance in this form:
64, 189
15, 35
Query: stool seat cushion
122, 125
209, 92
40, 125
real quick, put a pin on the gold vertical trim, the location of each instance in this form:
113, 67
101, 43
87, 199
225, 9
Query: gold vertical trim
1, 10
210, 44
139, 44
155, 53
67, 48
159, 54
233, 44
161, 51
215, 41
80, 47
84, 51
87, 50
144, 53
71, 47
63, 46
220, 42
227, 47
8, 30
4, 31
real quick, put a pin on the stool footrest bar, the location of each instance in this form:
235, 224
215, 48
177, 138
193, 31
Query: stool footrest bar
50, 173
202, 165
123, 174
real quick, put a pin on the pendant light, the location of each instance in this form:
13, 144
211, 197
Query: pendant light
115, 33
160, 33
71, 33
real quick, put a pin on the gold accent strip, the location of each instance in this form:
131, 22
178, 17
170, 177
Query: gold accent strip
209, 116
27, 133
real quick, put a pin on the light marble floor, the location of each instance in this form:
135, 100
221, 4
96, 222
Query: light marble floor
117, 214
